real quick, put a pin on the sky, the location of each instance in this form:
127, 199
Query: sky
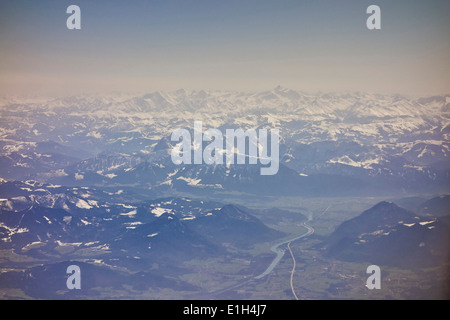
245, 45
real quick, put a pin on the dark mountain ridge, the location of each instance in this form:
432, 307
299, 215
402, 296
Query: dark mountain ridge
390, 235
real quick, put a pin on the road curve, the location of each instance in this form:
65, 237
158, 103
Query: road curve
293, 270
275, 248
280, 252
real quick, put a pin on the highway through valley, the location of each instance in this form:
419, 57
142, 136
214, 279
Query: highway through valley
279, 255
280, 252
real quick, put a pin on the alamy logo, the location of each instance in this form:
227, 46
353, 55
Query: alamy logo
220, 150
74, 20
74, 280
374, 280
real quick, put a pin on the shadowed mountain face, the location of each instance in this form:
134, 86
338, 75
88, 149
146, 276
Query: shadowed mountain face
233, 225
42, 219
390, 235
170, 226
165, 239
144, 245
435, 207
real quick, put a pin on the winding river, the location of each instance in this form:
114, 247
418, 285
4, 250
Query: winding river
280, 252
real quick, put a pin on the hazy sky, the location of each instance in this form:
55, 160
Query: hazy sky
310, 45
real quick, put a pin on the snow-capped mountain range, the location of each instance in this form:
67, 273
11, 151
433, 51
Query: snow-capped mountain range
360, 141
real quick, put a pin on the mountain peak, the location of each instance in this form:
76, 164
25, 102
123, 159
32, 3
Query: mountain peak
286, 93
233, 211
162, 144
386, 211
385, 205
279, 88
382, 215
